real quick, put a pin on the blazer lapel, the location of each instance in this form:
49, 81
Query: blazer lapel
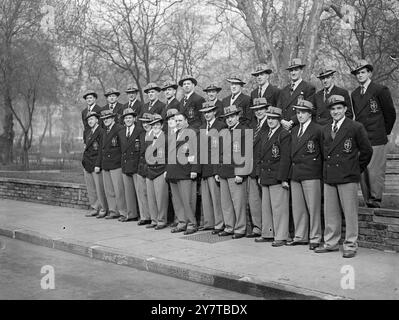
339, 136
295, 94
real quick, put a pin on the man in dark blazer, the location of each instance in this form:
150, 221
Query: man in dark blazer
273, 165
170, 88
212, 91
154, 105
133, 103
306, 175
322, 113
347, 152
373, 107
112, 95
239, 99
259, 126
90, 97
210, 188
265, 89
94, 180
130, 147
298, 89
191, 102
109, 162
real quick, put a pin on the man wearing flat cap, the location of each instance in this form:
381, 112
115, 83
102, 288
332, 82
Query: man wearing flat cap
265, 89
239, 99
191, 102
154, 105
306, 174
297, 89
130, 147
112, 96
93, 179
347, 152
133, 103
321, 112
212, 91
110, 163
373, 107
90, 97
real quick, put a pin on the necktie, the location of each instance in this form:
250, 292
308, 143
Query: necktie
362, 90
269, 134
131, 104
208, 126
334, 130
292, 87
259, 92
300, 133
325, 94
128, 133
257, 130
185, 100
112, 106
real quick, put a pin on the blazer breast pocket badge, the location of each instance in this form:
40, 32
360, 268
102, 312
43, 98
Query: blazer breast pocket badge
114, 142
373, 105
137, 144
348, 145
95, 145
275, 151
310, 147
191, 113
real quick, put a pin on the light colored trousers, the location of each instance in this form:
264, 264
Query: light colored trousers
184, 199
306, 210
211, 204
142, 197
115, 192
130, 196
275, 212
336, 197
158, 196
95, 190
234, 204
255, 204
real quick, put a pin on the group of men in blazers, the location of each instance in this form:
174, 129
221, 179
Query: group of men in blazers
304, 144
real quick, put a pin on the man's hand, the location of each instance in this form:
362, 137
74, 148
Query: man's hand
287, 125
217, 178
164, 174
285, 185
193, 175
238, 180
97, 169
259, 181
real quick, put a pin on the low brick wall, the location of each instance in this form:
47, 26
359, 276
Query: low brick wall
378, 228
53, 193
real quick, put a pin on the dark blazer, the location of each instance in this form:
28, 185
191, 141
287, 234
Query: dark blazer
307, 153
130, 148
244, 102
231, 170
142, 164
92, 149
287, 100
345, 157
180, 171
271, 94
119, 107
137, 106
97, 109
257, 142
274, 157
375, 110
191, 110
209, 169
111, 153
159, 152
219, 109
322, 114
158, 107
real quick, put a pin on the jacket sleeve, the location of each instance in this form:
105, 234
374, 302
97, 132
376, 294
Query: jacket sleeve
388, 109
365, 149
348, 101
98, 162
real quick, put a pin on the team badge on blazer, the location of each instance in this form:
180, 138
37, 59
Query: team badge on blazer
310, 147
348, 145
236, 146
95, 145
275, 151
373, 105
114, 142
191, 113
137, 144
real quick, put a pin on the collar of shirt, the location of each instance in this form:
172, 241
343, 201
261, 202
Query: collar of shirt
306, 125
212, 101
264, 87
132, 102
262, 121
171, 99
91, 107
235, 126
110, 127
274, 130
339, 123
187, 96
211, 122
329, 89
112, 105
129, 130
366, 84
94, 128
296, 84
153, 102
235, 97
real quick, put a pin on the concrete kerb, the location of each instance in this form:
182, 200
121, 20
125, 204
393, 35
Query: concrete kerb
233, 282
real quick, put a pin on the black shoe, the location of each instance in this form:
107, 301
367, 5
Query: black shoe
325, 249
190, 231
176, 230
134, 219
313, 246
225, 234
161, 226
150, 226
297, 243
264, 240
202, 228
216, 231
278, 243
349, 253
238, 235
253, 235
143, 222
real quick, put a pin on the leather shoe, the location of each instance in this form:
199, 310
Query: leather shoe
216, 231
264, 240
224, 234
325, 249
160, 226
278, 243
313, 246
143, 222
296, 243
112, 216
349, 253
253, 235
205, 228
238, 235
190, 231
122, 218
92, 213
101, 215
373, 204
128, 219
150, 226
176, 230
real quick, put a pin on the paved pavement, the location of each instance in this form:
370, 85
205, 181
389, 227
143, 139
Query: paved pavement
240, 265
25, 274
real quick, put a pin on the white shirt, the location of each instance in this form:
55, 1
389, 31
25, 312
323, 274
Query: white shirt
263, 88
187, 96
329, 89
210, 124
235, 126
112, 106
131, 103
129, 130
262, 121
91, 107
296, 84
153, 102
235, 98
305, 125
338, 124
274, 130
366, 85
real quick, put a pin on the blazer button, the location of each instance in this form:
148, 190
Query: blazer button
328, 157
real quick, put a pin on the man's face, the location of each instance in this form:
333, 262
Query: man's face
210, 115
109, 121
112, 98
188, 86
363, 75
181, 121
235, 88
92, 121
169, 93
156, 127
338, 112
129, 120
232, 120
327, 81
260, 113
303, 115
296, 74
153, 94
90, 99
261, 78
132, 95
212, 95
172, 122
273, 122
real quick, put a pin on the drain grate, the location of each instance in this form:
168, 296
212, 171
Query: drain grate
207, 237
